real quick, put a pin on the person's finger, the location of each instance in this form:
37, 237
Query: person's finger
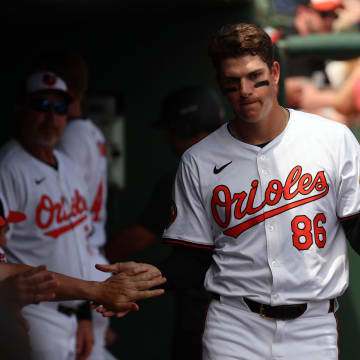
145, 276
41, 277
148, 284
106, 268
147, 294
44, 297
108, 314
47, 286
120, 307
33, 271
130, 267
134, 268
118, 315
121, 314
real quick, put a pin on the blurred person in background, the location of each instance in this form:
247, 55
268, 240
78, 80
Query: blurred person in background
40, 182
84, 143
348, 17
310, 80
49, 188
188, 115
340, 101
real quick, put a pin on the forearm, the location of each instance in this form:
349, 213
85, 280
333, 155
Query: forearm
323, 98
70, 288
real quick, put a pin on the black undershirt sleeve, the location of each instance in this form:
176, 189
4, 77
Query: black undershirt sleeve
185, 267
352, 232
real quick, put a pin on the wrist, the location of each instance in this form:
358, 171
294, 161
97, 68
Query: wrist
91, 291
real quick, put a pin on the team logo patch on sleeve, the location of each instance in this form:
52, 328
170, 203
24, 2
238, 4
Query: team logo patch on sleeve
173, 213
102, 148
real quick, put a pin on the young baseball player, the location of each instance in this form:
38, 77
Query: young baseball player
261, 209
49, 188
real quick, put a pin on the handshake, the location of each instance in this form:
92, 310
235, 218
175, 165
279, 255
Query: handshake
22, 285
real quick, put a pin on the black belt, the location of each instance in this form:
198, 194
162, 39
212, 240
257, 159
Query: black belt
68, 311
280, 312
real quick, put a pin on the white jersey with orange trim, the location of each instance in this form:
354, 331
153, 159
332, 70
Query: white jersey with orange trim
272, 214
55, 203
84, 143
3, 258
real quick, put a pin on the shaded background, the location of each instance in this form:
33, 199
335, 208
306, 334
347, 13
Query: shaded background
138, 51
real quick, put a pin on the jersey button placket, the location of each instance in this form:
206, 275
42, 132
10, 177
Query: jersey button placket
270, 228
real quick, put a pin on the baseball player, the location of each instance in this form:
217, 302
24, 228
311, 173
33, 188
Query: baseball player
84, 143
263, 206
49, 188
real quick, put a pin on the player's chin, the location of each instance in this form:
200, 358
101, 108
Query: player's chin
48, 141
249, 116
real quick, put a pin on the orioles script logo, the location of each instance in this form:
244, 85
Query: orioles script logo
295, 184
48, 213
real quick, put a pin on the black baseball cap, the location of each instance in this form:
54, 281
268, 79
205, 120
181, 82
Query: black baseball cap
189, 110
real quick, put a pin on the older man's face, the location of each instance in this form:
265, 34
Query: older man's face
45, 119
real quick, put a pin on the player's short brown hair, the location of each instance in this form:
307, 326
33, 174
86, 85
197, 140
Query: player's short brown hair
241, 39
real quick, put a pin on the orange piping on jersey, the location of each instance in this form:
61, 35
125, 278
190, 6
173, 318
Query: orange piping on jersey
349, 217
57, 232
180, 242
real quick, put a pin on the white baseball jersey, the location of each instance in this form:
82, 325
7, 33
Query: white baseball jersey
84, 143
271, 214
3, 258
55, 203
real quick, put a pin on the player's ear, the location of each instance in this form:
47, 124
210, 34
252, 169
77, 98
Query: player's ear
275, 72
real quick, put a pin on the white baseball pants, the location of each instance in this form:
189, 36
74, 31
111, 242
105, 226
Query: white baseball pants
233, 332
52, 334
100, 323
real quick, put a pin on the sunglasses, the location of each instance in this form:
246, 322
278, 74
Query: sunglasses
44, 105
328, 14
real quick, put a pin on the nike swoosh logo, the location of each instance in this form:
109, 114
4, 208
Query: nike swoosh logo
217, 170
38, 182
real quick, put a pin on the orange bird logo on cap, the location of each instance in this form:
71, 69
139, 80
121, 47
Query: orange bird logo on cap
49, 79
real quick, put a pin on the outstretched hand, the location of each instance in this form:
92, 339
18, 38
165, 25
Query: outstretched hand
29, 287
132, 281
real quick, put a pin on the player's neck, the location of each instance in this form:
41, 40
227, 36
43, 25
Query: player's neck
262, 131
44, 154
